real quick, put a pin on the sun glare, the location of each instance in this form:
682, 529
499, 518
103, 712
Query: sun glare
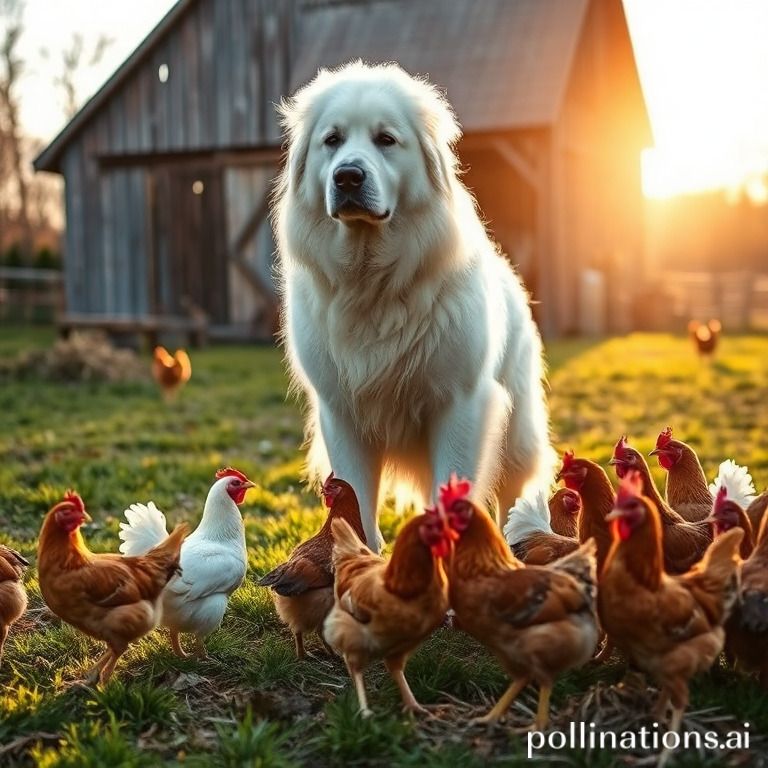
702, 66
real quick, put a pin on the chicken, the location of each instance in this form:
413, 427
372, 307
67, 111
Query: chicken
113, 599
214, 558
302, 586
671, 627
591, 482
171, 372
539, 621
747, 628
687, 491
529, 531
756, 510
385, 609
705, 336
13, 596
564, 507
684, 542
727, 514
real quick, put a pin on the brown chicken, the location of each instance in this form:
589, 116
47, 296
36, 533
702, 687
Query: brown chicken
112, 598
705, 336
539, 621
529, 529
385, 609
13, 595
171, 372
671, 627
564, 507
684, 542
727, 514
591, 482
687, 491
747, 629
302, 586
756, 510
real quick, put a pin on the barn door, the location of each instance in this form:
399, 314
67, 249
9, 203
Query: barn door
189, 242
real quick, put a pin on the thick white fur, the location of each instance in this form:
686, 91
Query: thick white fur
411, 336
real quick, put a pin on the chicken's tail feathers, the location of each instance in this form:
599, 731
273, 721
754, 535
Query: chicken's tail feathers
581, 563
168, 552
722, 556
145, 529
526, 517
738, 482
346, 543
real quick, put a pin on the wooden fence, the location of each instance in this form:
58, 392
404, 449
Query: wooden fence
30, 295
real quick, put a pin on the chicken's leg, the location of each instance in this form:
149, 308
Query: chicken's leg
92, 675
176, 645
200, 650
3, 636
503, 704
109, 667
357, 677
298, 639
542, 715
395, 668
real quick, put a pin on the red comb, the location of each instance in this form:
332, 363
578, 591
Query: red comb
454, 490
620, 451
72, 497
664, 437
630, 487
568, 458
722, 495
231, 472
328, 480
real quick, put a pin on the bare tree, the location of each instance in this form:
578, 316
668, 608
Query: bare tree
72, 62
11, 69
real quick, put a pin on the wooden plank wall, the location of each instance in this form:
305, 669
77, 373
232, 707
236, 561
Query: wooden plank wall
226, 68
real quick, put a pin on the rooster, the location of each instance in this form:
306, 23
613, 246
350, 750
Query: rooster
684, 542
213, 558
539, 621
303, 585
171, 372
687, 491
13, 596
670, 626
530, 533
385, 609
705, 336
590, 481
113, 599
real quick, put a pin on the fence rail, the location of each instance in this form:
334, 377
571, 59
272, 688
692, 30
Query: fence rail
30, 295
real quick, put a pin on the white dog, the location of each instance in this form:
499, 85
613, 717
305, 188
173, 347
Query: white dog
410, 334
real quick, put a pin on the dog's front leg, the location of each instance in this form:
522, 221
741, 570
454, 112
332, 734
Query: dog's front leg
358, 462
466, 439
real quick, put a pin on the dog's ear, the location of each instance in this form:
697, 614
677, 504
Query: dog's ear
291, 113
439, 137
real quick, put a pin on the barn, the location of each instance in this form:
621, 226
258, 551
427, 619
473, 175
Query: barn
168, 167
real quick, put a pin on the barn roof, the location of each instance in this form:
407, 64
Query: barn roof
503, 63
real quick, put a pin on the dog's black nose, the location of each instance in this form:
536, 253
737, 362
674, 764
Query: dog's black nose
348, 177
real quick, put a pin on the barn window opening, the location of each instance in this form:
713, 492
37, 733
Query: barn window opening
162, 73
198, 187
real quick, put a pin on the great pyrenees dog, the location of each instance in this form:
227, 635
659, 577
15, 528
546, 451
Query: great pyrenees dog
409, 332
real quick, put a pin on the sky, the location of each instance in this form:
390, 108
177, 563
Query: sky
703, 65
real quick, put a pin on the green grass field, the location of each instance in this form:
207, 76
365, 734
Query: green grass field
251, 703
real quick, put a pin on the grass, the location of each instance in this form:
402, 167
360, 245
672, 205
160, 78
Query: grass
251, 703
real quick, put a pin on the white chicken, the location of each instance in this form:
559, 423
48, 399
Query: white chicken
213, 558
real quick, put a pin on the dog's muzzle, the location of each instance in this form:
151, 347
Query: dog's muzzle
351, 197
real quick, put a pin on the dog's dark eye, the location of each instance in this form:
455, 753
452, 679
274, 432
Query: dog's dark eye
332, 140
384, 139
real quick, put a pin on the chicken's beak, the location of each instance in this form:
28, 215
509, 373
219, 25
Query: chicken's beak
614, 515
613, 462
711, 519
86, 517
249, 484
655, 452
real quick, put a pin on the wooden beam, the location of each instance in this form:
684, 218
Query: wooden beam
528, 172
237, 156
